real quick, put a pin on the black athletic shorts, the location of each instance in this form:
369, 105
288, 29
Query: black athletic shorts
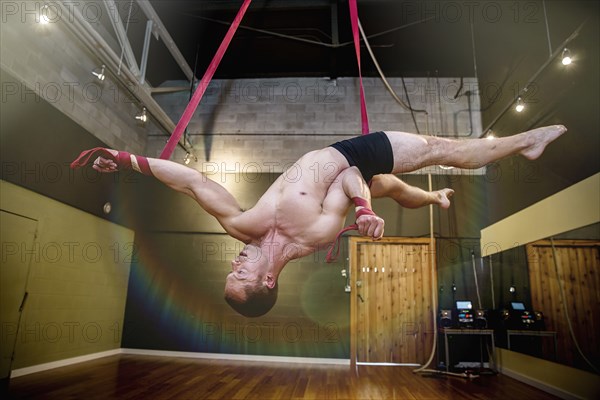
372, 154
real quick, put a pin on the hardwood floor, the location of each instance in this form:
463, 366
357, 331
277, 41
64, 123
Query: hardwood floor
147, 377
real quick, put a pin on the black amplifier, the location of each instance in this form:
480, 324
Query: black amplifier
445, 319
518, 318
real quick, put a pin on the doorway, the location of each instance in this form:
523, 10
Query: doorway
18, 234
391, 306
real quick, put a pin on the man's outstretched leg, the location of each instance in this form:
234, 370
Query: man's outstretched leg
412, 152
387, 185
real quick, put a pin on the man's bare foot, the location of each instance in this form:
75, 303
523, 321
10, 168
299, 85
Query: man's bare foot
443, 197
540, 138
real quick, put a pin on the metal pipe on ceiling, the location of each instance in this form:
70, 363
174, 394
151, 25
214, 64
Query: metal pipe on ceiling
545, 65
81, 29
166, 37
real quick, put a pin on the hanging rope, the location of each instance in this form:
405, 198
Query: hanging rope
210, 71
363, 104
334, 249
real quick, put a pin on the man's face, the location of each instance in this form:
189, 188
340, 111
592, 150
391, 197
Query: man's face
247, 268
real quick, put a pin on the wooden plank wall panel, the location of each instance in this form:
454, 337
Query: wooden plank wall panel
579, 264
393, 320
396, 303
411, 324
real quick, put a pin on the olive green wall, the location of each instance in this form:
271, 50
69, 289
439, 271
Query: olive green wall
77, 283
560, 380
175, 296
175, 302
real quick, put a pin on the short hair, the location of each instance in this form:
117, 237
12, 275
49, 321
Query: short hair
258, 301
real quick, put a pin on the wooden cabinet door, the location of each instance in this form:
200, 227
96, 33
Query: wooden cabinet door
391, 310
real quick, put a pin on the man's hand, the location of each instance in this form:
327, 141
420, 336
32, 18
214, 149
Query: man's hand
105, 165
370, 225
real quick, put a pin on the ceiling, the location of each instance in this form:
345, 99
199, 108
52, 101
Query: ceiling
412, 48
502, 43
508, 51
425, 38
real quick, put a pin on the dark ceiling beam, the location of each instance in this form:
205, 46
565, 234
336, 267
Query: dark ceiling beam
335, 39
162, 31
234, 5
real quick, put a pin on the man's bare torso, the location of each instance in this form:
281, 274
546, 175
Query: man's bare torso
305, 207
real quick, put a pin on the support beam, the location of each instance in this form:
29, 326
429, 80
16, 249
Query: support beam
96, 44
335, 40
115, 19
145, 51
169, 89
166, 37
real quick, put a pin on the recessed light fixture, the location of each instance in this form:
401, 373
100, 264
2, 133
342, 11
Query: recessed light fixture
520, 105
44, 18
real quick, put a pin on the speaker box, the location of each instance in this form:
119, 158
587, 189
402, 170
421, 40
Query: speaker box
480, 319
445, 319
540, 324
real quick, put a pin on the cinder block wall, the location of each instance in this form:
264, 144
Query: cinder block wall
264, 125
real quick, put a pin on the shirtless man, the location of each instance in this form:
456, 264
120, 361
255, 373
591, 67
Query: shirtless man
296, 217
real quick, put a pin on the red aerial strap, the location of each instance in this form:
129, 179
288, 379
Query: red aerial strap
123, 159
87, 155
193, 104
335, 246
363, 104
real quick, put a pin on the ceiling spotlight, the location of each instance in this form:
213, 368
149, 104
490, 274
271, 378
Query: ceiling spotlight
520, 105
189, 157
100, 75
566, 57
143, 117
44, 18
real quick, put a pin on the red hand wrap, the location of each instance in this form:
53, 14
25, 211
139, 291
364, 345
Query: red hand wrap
123, 160
335, 246
365, 210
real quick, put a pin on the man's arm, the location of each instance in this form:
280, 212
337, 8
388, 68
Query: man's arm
211, 196
356, 188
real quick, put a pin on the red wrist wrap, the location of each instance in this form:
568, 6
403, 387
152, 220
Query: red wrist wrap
365, 210
123, 159
334, 249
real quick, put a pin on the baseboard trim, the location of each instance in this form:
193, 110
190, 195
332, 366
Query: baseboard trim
15, 373
553, 390
238, 357
166, 353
